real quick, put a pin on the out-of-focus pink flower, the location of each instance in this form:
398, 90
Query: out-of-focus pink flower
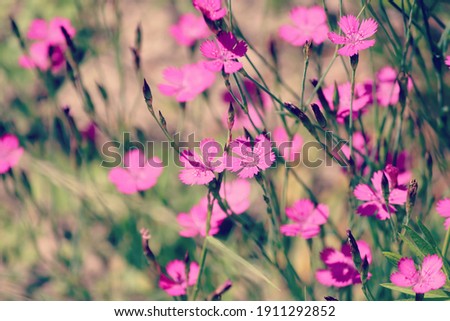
373, 198
403, 165
223, 52
138, 173
341, 270
254, 95
355, 35
187, 82
447, 61
429, 277
443, 208
199, 168
89, 131
50, 32
10, 152
388, 89
237, 195
359, 144
289, 148
307, 219
189, 29
176, 281
212, 9
248, 158
310, 24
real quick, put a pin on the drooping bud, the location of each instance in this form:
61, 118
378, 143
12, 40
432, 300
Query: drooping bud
145, 238
321, 120
217, 294
147, 95
392, 172
354, 249
354, 61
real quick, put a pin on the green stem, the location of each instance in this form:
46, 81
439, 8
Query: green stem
446, 243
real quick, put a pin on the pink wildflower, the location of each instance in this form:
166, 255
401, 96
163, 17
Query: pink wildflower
289, 149
224, 52
428, 277
355, 35
307, 219
212, 9
447, 61
237, 195
341, 270
359, 144
187, 82
10, 152
388, 89
373, 198
443, 208
403, 164
189, 29
138, 174
310, 24
256, 96
176, 282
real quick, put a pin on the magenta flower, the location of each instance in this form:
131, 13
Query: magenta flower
10, 152
177, 280
237, 195
248, 158
429, 277
307, 219
255, 96
355, 35
447, 61
443, 209
403, 164
187, 82
373, 198
212, 9
289, 148
138, 173
223, 52
359, 144
388, 89
189, 29
310, 24
341, 270
198, 168
50, 32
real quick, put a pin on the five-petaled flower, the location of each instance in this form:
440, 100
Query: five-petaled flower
177, 280
189, 29
212, 9
443, 208
427, 278
307, 219
355, 35
388, 89
10, 152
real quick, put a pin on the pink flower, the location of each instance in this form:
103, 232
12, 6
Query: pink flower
355, 35
443, 208
307, 219
248, 158
50, 32
310, 24
403, 164
254, 95
388, 89
212, 9
189, 29
138, 174
428, 277
289, 149
373, 198
10, 152
237, 195
187, 82
224, 52
447, 61
176, 282
359, 144
199, 168
341, 270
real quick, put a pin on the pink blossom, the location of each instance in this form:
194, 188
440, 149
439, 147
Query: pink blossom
307, 219
373, 198
236, 194
388, 89
289, 148
199, 168
223, 52
355, 35
187, 82
310, 24
138, 174
212, 9
253, 93
248, 158
341, 270
443, 208
359, 144
10, 152
176, 282
403, 164
189, 29
428, 277
447, 61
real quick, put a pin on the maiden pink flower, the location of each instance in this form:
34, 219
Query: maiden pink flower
187, 82
403, 164
189, 29
341, 270
177, 281
388, 89
212, 9
237, 195
447, 61
307, 219
373, 198
310, 24
355, 35
443, 208
429, 277
10, 152
289, 148
359, 144
223, 52
138, 173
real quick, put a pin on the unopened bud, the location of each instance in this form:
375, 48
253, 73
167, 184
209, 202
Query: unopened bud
354, 61
162, 120
217, 294
364, 269
273, 50
70, 44
392, 172
147, 94
306, 48
301, 116
230, 117
145, 238
385, 186
354, 249
411, 196
323, 100
16, 32
70, 72
138, 38
321, 120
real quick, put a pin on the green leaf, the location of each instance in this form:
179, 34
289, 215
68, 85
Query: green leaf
393, 258
426, 232
412, 247
436, 294
424, 247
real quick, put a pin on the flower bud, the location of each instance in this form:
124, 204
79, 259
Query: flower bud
162, 120
354, 61
145, 238
147, 95
322, 98
231, 115
319, 116
392, 172
385, 187
354, 249
411, 196
301, 116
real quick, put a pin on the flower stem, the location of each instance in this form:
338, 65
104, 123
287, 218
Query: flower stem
446, 243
